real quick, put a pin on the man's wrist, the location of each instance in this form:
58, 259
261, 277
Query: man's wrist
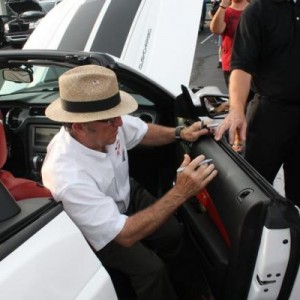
224, 7
178, 130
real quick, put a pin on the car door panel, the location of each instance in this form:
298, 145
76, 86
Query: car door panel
245, 203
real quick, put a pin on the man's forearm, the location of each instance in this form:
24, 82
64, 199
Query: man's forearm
158, 135
217, 24
150, 219
161, 135
239, 89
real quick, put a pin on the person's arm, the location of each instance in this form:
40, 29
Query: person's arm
235, 121
217, 24
188, 183
161, 135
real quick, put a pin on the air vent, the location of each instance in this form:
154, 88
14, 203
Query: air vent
37, 111
13, 118
146, 117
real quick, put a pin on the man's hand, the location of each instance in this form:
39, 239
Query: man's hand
194, 178
193, 132
235, 122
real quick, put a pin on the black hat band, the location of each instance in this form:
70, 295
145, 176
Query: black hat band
91, 106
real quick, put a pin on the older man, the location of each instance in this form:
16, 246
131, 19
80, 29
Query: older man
86, 168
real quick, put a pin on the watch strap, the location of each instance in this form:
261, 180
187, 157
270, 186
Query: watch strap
177, 132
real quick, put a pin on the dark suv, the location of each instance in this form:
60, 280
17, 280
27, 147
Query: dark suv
24, 15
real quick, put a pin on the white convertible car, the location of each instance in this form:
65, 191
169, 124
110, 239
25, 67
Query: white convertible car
246, 234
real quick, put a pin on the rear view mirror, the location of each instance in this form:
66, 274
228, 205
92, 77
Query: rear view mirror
18, 75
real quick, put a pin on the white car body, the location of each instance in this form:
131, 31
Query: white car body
157, 38
59, 262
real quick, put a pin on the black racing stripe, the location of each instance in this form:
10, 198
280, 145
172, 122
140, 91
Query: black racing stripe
115, 26
80, 28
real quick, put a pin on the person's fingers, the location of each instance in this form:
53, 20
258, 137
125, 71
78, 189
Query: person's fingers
208, 178
232, 132
243, 132
186, 161
196, 162
219, 131
189, 166
205, 169
198, 129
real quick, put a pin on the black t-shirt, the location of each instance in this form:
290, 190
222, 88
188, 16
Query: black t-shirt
267, 45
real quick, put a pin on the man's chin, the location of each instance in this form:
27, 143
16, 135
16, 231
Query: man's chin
112, 141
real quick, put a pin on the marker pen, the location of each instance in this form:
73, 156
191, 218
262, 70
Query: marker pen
206, 161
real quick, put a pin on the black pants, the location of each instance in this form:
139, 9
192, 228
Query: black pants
273, 139
150, 263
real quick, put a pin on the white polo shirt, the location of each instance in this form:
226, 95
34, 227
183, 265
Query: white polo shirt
93, 186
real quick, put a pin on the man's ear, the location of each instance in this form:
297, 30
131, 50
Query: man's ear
78, 128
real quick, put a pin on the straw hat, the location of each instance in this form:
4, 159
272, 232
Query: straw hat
89, 93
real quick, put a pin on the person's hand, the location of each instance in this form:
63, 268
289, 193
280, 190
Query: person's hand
193, 132
194, 178
225, 3
235, 122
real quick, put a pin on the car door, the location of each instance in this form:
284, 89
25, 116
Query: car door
247, 235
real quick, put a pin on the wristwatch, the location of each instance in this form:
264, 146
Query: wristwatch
177, 132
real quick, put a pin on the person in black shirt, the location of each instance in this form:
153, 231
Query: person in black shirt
266, 53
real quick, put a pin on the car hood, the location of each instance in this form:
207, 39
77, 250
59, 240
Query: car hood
157, 38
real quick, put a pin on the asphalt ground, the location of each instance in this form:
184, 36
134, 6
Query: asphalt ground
206, 73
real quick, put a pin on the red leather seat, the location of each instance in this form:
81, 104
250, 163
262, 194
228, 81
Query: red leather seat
20, 188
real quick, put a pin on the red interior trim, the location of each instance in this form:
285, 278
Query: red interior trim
207, 202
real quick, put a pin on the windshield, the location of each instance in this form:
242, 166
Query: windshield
44, 79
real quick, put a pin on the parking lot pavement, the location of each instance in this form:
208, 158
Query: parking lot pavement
206, 73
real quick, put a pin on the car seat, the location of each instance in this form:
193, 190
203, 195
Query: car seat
20, 188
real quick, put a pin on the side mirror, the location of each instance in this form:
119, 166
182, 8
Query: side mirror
213, 101
202, 102
32, 15
18, 75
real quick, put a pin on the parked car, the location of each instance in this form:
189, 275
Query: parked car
247, 236
47, 5
133, 32
24, 16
